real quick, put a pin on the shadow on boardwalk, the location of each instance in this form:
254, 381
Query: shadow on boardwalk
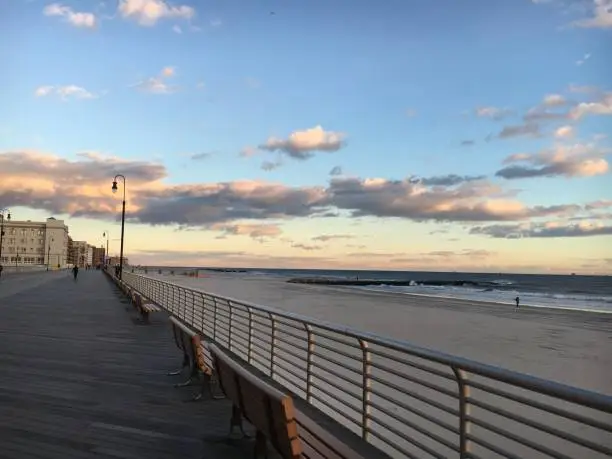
80, 378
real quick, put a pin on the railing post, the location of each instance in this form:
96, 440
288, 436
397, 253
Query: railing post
203, 313
231, 322
250, 351
464, 412
272, 344
309, 357
366, 388
214, 318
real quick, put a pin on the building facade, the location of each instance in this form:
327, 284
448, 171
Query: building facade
80, 253
35, 243
99, 255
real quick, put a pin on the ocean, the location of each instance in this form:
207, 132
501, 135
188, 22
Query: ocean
587, 293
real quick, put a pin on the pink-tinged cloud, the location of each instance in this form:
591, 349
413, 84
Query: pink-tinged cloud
304, 144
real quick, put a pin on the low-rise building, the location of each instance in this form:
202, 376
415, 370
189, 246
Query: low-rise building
35, 243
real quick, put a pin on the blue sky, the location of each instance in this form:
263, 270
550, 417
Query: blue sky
411, 90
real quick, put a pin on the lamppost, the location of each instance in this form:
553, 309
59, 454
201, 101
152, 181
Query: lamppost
8, 217
122, 222
49, 252
106, 235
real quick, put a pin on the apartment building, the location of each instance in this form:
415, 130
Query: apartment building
35, 243
80, 253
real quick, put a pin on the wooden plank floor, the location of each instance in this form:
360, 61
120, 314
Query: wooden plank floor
79, 378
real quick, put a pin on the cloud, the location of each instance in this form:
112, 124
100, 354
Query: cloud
271, 165
149, 12
601, 16
602, 106
77, 19
247, 152
306, 246
303, 144
585, 58
580, 160
537, 114
494, 113
411, 113
543, 230
447, 180
564, 132
64, 92
581, 89
177, 29
521, 130
467, 143
158, 85
81, 187
201, 156
332, 237
335, 171
216, 23
254, 231
554, 100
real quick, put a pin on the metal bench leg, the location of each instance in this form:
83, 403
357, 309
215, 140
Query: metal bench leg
261, 447
208, 382
192, 376
183, 365
236, 420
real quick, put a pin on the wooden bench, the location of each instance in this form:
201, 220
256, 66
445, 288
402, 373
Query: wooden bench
194, 351
261, 401
143, 307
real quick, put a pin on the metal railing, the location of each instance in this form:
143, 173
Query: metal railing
406, 400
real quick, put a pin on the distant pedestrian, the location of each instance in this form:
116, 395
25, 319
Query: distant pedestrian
75, 272
518, 300
1, 268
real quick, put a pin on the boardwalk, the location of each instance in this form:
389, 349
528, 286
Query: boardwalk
81, 379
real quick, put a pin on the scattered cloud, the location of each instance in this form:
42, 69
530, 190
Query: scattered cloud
601, 106
447, 180
271, 165
158, 84
551, 229
332, 237
520, 130
248, 152
307, 247
581, 89
554, 100
149, 12
537, 114
584, 58
77, 19
254, 231
64, 92
601, 16
494, 113
200, 85
467, 143
564, 132
303, 144
580, 160
216, 23
177, 29
411, 113
335, 171
201, 156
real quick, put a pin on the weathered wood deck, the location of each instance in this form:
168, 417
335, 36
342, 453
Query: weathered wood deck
79, 378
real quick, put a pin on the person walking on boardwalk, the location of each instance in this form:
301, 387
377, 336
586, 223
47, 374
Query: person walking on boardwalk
518, 300
75, 272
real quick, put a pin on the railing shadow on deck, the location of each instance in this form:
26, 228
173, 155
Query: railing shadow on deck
406, 400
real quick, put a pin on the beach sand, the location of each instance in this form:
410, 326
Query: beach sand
572, 347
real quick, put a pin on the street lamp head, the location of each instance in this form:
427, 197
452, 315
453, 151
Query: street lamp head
114, 186
8, 217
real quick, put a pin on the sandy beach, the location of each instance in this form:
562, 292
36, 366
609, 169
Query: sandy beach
571, 347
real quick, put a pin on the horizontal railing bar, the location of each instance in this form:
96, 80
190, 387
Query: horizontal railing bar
490, 446
511, 436
337, 351
419, 397
406, 438
356, 384
334, 408
291, 372
422, 414
397, 448
539, 426
340, 388
291, 352
397, 373
418, 381
413, 364
439, 439
542, 406
338, 339
337, 362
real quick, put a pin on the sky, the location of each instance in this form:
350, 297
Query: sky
408, 135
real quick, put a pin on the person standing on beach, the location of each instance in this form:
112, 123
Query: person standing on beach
517, 299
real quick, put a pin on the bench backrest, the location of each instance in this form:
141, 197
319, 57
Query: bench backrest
269, 409
191, 343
